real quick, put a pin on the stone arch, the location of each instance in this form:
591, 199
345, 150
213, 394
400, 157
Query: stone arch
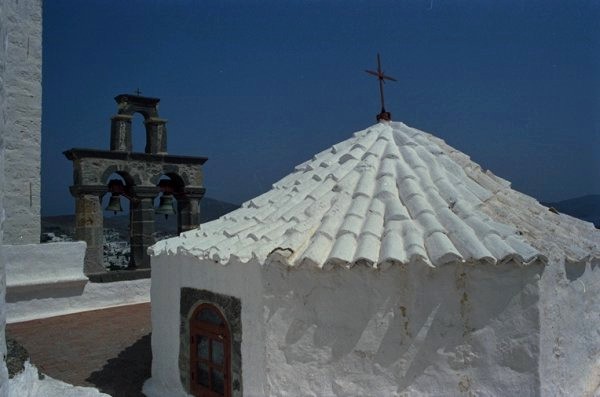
130, 104
92, 170
156, 130
166, 202
147, 113
139, 133
178, 181
230, 309
172, 171
123, 172
185, 199
116, 202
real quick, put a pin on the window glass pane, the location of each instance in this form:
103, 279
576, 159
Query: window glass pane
202, 347
203, 374
209, 316
218, 383
217, 352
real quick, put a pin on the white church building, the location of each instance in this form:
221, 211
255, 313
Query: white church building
389, 264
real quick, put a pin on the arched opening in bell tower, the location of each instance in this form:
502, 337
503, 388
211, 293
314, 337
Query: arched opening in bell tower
136, 172
138, 133
166, 206
117, 223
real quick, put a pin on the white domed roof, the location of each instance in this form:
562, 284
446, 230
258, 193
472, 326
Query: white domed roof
391, 194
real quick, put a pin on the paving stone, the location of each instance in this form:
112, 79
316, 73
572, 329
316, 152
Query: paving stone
108, 349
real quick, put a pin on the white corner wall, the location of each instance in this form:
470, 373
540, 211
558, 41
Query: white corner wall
170, 273
570, 338
22, 112
44, 270
455, 330
3, 128
93, 297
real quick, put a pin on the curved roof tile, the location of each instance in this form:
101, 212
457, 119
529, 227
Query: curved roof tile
391, 194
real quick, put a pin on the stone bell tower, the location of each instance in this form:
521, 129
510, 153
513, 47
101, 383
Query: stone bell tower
145, 175
156, 128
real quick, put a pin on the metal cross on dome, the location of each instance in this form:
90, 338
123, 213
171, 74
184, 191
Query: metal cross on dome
381, 77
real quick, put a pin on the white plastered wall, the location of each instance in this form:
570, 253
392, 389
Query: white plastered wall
94, 296
169, 275
42, 270
454, 330
3, 41
570, 337
23, 117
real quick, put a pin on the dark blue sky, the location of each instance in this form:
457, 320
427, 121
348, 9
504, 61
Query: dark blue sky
260, 86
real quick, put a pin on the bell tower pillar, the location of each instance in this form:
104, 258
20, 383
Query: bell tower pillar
120, 133
188, 210
141, 234
89, 224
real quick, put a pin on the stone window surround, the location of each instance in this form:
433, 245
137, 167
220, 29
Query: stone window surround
230, 307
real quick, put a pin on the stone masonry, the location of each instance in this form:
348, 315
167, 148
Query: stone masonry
22, 112
231, 307
142, 173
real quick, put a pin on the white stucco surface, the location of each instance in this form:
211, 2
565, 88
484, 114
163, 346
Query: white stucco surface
94, 296
22, 112
570, 293
358, 298
403, 331
570, 336
4, 14
169, 275
3, 370
39, 270
28, 384
455, 330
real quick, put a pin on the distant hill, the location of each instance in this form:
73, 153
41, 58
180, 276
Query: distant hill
585, 207
210, 209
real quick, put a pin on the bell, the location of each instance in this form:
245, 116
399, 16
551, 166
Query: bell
114, 204
165, 205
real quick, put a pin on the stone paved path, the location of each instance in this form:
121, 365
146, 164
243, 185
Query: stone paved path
108, 349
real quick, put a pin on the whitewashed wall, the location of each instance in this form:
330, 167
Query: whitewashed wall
570, 337
450, 331
3, 112
94, 296
455, 330
42, 270
20, 123
169, 275
22, 82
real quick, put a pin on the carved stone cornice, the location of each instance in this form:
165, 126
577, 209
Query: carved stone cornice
143, 192
78, 190
191, 193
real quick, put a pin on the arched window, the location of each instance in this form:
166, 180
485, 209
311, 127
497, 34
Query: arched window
210, 347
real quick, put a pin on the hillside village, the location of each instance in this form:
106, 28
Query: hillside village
387, 264
116, 247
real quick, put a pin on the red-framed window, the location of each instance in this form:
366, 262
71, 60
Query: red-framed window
210, 353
